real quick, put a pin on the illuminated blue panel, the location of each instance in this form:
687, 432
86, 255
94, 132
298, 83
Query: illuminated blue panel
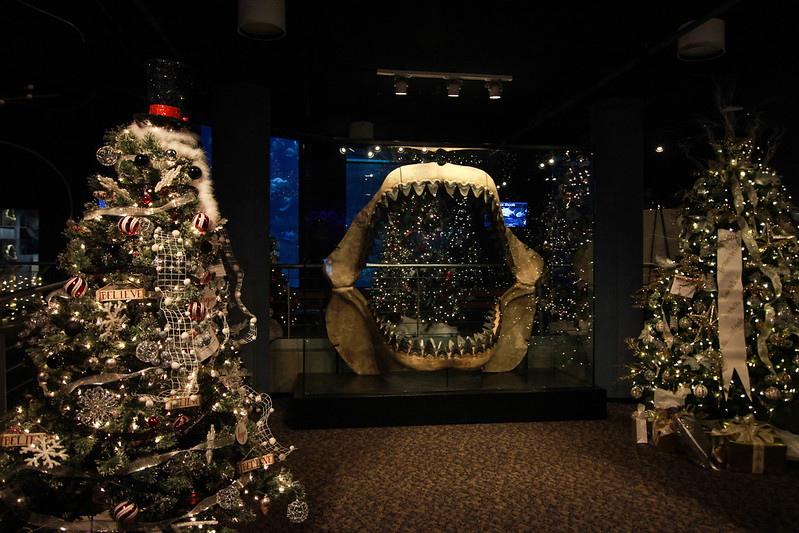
284, 193
515, 214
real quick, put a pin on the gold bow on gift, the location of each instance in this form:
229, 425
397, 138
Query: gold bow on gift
661, 425
747, 430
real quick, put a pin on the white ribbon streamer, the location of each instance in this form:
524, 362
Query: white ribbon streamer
732, 341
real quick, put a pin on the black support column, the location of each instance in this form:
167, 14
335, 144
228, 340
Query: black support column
617, 145
240, 170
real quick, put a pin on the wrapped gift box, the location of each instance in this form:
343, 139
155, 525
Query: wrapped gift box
757, 458
745, 445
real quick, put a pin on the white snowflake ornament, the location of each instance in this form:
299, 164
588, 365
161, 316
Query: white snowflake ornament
115, 319
45, 451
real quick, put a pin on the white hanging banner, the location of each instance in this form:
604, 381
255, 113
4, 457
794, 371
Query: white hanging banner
732, 341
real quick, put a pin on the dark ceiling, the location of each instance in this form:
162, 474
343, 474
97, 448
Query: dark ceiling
85, 60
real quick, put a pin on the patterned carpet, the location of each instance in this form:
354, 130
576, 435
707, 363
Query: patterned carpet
581, 476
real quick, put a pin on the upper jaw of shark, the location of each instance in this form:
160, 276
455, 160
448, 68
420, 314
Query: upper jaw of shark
371, 342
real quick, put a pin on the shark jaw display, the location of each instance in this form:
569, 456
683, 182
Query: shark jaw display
372, 346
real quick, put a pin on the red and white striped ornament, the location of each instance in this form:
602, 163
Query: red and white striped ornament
201, 222
126, 512
76, 286
129, 225
204, 277
197, 311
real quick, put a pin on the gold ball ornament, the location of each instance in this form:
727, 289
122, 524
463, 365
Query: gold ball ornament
772, 393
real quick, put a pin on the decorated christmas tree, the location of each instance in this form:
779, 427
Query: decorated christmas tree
720, 333
440, 231
281, 299
143, 419
567, 247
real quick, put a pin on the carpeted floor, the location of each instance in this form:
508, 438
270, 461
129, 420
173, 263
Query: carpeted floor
581, 476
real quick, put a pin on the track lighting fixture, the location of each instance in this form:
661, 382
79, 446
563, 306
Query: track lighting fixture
494, 89
400, 85
454, 80
454, 87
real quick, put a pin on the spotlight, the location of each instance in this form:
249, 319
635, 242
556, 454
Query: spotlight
494, 89
400, 86
454, 87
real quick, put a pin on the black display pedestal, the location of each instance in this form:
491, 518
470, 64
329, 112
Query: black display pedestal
408, 399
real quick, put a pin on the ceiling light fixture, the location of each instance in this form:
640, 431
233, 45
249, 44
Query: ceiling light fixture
702, 43
454, 87
400, 86
454, 80
494, 89
262, 19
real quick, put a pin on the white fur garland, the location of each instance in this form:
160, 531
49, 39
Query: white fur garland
186, 144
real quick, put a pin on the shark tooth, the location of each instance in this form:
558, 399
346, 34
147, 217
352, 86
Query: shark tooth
416, 346
477, 190
468, 346
451, 346
429, 346
463, 189
433, 187
405, 188
392, 194
404, 344
450, 188
418, 188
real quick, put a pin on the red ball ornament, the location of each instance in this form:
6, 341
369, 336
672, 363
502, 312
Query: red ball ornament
205, 277
201, 222
76, 286
126, 512
193, 498
197, 311
153, 422
129, 225
146, 199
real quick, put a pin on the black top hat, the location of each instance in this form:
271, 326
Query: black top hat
167, 86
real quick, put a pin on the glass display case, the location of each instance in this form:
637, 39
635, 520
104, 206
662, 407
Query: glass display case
470, 298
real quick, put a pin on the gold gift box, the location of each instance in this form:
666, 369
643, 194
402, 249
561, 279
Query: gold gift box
758, 458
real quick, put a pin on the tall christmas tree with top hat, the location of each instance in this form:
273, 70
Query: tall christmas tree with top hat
143, 419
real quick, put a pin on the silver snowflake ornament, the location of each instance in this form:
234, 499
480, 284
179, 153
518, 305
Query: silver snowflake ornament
228, 498
98, 406
297, 511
